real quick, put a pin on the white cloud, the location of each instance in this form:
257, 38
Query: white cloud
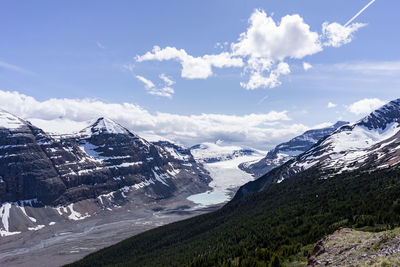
147, 83
331, 105
307, 66
63, 115
258, 80
165, 91
261, 51
166, 79
337, 35
365, 106
192, 67
291, 38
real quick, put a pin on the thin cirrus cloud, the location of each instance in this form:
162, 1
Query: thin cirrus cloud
66, 115
11, 67
365, 106
262, 50
152, 89
376, 67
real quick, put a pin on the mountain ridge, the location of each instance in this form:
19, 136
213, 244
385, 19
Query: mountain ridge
370, 143
288, 150
101, 158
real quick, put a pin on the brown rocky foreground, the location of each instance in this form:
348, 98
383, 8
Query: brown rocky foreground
348, 247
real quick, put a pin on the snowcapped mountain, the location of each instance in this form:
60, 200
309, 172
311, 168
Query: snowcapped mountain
101, 158
288, 150
373, 142
367, 145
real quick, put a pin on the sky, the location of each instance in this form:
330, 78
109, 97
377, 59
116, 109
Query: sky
252, 73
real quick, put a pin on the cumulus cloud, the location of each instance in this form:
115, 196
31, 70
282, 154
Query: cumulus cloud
262, 50
307, 66
165, 91
337, 35
63, 115
331, 105
192, 67
291, 38
258, 80
365, 106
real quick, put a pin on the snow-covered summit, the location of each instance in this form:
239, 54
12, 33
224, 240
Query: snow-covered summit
382, 117
104, 126
10, 121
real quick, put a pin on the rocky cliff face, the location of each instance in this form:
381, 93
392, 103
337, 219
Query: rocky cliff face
102, 158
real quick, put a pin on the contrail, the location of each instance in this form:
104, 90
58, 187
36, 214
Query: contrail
359, 13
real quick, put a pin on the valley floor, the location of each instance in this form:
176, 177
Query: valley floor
67, 242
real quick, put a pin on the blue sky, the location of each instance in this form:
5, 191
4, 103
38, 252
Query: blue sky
81, 49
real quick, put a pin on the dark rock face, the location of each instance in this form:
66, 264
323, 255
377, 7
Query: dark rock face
101, 158
26, 170
289, 150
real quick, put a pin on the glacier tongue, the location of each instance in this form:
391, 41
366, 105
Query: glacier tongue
222, 162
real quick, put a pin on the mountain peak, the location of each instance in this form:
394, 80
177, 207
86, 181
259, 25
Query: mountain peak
382, 117
10, 121
105, 125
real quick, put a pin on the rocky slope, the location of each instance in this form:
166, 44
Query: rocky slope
369, 144
347, 247
288, 150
